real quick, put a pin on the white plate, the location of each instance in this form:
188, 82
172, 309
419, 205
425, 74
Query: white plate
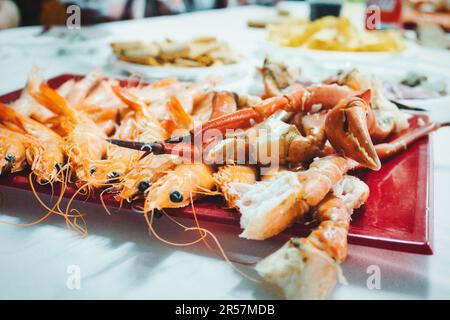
227, 73
57, 40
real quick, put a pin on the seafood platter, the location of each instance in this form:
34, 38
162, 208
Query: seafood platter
322, 163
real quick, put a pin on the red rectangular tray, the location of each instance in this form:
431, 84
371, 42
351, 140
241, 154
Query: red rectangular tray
398, 214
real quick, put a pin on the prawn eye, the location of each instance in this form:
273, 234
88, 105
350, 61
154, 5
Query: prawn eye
296, 243
113, 175
143, 185
91, 171
10, 158
176, 196
157, 213
58, 166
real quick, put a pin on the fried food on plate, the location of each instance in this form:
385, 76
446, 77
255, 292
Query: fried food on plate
198, 52
331, 33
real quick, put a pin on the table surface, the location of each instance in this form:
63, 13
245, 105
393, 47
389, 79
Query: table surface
121, 261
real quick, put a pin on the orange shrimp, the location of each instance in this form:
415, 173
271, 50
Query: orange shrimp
45, 152
203, 109
139, 124
26, 105
84, 140
81, 88
142, 175
179, 115
217, 103
93, 96
13, 147
103, 106
188, 94
178, 187
136, 175
178, 121
120, 164
115, 166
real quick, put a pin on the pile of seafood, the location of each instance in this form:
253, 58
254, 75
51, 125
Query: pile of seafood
276, 157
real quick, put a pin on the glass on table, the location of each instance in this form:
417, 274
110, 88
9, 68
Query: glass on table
322, 8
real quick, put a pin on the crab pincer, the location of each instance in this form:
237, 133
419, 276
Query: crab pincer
347, 130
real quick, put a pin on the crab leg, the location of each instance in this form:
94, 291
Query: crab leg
310, 99
346, 127
308, 268
300, 100
269, 207
388, 149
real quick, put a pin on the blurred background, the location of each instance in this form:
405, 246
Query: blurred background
14, 13
50, 12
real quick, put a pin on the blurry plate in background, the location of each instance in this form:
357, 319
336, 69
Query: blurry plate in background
328, 55
57, 40
226, 73
391, 72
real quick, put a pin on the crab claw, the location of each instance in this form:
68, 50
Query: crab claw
347, 130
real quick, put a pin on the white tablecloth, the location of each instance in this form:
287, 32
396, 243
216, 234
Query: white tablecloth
120, 260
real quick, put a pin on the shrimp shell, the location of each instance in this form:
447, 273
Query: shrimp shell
231, 174
45, 151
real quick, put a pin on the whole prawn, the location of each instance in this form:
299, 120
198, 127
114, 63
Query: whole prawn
84, 141
13, 147
158, 93
26, 105
132, 172
144, 173
44, 151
